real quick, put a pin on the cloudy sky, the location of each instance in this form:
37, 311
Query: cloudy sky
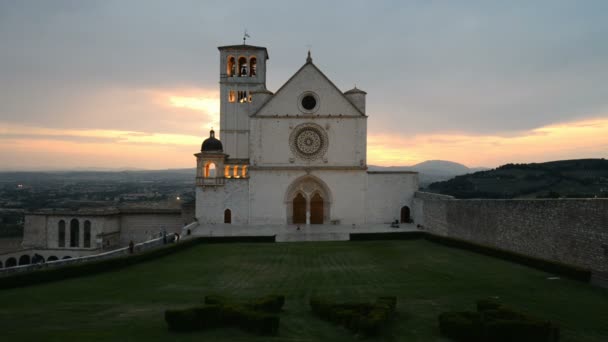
134, 84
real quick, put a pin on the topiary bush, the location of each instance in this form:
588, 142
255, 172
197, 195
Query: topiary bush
255, 316
498, 323
366, 318
271, 303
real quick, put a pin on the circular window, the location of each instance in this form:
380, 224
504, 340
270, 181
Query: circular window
308, 141
309, 102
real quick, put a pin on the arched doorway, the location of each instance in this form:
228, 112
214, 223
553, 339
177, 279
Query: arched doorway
308, 201
299, 209
227, 216
316, 209
405, 214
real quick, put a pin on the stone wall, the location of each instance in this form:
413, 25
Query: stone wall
387, 193
569, 231
145, 226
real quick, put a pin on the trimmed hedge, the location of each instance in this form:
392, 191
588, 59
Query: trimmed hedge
366, 318
254, 316
237, 239
568, 271
413, 235
497, 323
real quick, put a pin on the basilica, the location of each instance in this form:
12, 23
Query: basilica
293, 157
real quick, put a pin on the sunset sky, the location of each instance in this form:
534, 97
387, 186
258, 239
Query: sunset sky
134, 84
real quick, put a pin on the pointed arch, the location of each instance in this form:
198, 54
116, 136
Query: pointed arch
305, 188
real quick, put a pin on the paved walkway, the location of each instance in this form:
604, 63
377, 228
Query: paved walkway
284, 233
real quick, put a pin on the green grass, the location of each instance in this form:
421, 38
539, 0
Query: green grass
128, 305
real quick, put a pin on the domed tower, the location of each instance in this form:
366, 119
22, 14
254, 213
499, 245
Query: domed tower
210, 162
357, 97
242, 78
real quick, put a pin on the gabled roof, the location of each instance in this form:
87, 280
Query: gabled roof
308, 62
244, 47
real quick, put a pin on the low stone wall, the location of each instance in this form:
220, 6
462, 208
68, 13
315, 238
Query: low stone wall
568, 231
101, 256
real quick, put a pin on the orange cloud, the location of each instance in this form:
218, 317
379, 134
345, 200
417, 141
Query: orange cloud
580, 139
24, 147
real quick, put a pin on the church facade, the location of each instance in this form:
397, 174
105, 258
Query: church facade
293, 157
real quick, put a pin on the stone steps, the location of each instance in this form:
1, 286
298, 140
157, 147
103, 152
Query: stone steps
307, 236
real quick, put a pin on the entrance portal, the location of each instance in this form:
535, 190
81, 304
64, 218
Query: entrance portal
308, 201
299, 209
316, 209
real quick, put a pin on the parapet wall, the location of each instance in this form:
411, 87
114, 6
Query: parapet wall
569, 231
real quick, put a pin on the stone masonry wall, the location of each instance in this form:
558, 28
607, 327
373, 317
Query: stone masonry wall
570, 231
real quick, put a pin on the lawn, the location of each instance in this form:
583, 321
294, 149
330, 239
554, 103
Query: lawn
427, 279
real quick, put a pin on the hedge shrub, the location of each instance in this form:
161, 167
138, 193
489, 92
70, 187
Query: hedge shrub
366, 318
271, 303
254, 316
497, 323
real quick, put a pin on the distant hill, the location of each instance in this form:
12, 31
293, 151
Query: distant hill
431, 170
34, 177
580, 178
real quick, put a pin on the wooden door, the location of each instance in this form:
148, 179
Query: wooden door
316, 209
299, 209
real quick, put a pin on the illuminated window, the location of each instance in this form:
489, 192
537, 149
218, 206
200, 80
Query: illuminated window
235, 173
243, 97
209, 171
253, 64
230, 67
244, 171
243, 67
227, 171
231, 96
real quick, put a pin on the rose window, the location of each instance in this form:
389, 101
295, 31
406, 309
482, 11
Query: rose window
308, 141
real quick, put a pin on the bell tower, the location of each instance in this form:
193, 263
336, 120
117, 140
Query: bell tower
242, 76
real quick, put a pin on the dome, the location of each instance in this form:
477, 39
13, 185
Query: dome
212, 144
355, 90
